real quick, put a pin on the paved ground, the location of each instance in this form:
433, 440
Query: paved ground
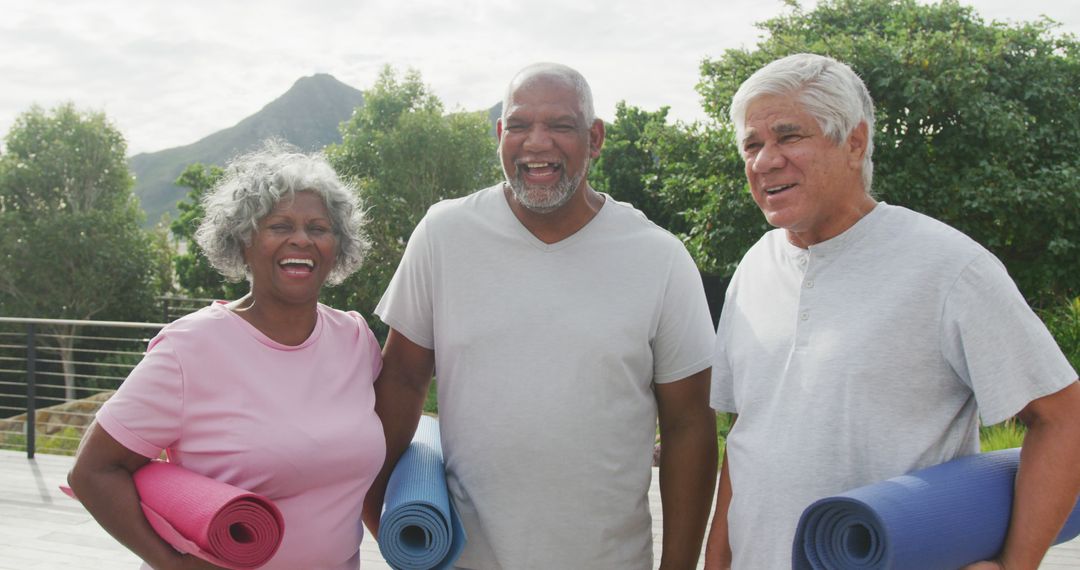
41, 528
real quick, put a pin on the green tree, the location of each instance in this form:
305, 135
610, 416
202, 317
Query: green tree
404, 154
71, 242
628, 167
682, 176
194, 274
977, 123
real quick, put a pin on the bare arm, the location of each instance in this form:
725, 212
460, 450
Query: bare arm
718, 546
101, 479
687, 466
400, 391
1047, 482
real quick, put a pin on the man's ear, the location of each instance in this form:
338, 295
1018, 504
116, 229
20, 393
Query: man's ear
498, 129
596, 138
856, 144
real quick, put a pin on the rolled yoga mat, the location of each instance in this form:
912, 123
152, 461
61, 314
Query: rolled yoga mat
419, 528
944, 517
215, 521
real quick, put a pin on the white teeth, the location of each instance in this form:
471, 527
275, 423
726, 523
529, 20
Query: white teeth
295, 260
537, 164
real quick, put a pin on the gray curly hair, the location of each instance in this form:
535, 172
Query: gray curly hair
253, 183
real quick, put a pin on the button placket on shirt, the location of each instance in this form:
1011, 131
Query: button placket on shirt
802, 326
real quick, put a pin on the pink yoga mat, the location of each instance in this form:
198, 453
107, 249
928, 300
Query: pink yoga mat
215, 521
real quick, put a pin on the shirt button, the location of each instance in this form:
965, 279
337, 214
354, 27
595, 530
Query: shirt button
802, 261
804, 316
809, 284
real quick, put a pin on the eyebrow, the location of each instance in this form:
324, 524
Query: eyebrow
564, 118
786, 128
780, 129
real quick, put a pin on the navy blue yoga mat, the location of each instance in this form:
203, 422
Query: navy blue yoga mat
944, 517
419, 528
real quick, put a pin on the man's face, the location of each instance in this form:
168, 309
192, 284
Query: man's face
800, 179
545, 145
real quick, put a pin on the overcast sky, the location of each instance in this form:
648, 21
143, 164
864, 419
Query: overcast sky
168, 74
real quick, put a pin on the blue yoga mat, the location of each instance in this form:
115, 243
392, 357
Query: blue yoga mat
944, 517
419, 528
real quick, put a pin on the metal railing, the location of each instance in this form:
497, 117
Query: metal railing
55, 373
173, 308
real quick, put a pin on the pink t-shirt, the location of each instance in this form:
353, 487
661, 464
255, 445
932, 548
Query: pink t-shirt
295, 424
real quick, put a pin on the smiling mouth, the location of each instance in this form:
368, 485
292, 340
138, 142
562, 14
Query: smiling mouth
539, 168
778, 189
295, 264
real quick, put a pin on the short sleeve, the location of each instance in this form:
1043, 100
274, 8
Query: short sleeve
145, 413
684, 338
997, 345
406, 306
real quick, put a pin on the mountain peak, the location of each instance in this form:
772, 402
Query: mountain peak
319, 81
306, 116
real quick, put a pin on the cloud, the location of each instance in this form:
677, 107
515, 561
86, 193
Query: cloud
171, 73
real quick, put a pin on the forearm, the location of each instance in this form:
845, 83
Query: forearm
110, 497
718, 546
687, 474
1047, 485
399, 406
400, 391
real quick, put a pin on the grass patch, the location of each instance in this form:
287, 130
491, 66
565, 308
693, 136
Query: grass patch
63, 442
1063, 321
723, 426
1005, 435
431, 402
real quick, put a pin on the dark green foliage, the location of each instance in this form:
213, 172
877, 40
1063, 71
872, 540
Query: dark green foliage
977, 123
628, 168
63, 160
686, 178
193, 272
1063, 320
71, 243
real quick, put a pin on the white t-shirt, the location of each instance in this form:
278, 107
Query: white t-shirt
546, 357
862, 358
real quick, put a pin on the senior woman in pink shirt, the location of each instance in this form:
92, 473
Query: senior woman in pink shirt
272, 392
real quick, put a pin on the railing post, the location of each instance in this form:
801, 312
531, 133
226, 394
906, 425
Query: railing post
31, 404
165, 309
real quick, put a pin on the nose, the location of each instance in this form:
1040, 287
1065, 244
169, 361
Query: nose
301, 238
768, 158
537, 139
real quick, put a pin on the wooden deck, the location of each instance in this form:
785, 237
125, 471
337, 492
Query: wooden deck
41, 528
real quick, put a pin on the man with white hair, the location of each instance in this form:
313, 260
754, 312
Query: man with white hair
562, 325
860, 340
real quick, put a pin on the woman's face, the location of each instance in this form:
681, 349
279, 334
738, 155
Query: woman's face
292, 251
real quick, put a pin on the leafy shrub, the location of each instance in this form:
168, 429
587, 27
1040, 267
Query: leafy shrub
1006, 435
1064, 323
